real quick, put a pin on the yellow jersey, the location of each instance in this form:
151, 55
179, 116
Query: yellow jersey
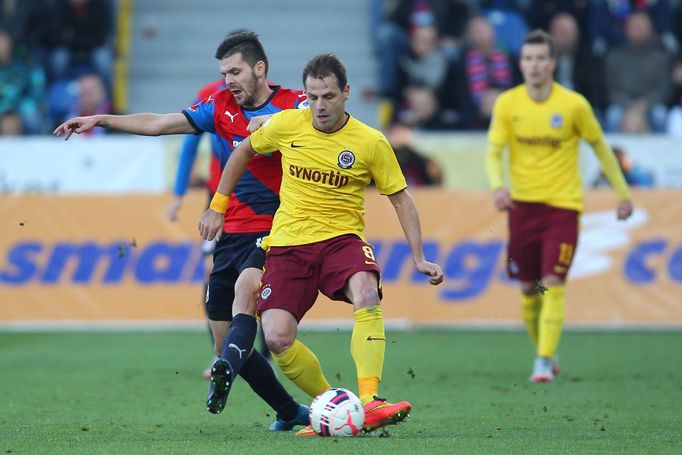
543, 139
324, 176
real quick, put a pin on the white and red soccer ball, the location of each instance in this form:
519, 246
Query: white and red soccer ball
337, 412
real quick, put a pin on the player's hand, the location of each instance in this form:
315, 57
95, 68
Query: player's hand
211, 224
624, 209
502, 199
257, 121
76, 125
174, 208
431, 270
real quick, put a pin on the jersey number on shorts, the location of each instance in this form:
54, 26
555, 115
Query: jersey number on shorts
369, 253
565, 254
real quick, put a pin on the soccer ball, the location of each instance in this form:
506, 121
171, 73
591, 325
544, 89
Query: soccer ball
337, 412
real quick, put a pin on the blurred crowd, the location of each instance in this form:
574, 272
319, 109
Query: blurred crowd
56, 61
442, 63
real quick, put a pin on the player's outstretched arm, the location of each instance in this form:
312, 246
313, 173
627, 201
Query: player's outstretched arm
211, 222
141, 124
409, 220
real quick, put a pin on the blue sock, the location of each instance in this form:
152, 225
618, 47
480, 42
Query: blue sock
258, 373
239, 341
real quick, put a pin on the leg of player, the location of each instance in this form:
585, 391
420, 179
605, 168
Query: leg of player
531, 303
294, 358
368, 344
238, 357
551, 322
263, 345
239, 342
207, 249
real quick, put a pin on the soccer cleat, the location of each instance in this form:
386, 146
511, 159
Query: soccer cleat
379, 413
542, 370
306, 431
219, 387
302, 418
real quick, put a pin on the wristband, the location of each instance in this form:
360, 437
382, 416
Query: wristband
219, 202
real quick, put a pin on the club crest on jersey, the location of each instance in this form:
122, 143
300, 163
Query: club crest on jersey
346, 159
556, 121
266, 292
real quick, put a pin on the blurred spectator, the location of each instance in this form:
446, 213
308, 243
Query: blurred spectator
22, 86
392, 40
421, 109
13, 17
633, 173
576, 68
510, 26
674, 127
448, 16
609, 18
638, 80
419, 170
430, 84
31, 24
83, 43
86, 95
488, 70
10, 124
92, 97
541, 12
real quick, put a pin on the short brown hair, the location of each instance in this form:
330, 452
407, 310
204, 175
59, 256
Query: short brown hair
324, 65
246, 43
539, 36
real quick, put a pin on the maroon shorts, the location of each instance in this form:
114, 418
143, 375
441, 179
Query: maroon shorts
542, 241
294, 274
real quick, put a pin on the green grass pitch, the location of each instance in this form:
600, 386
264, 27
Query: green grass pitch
126, 393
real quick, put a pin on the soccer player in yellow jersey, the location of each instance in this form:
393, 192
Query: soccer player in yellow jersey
542, 123
317, 243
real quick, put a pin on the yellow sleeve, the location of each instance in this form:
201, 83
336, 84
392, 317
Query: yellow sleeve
498, 138
385, 169
266, 139
499, 131
493, 165
609, 165
586, 123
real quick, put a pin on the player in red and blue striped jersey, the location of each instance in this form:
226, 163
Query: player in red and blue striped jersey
232, 114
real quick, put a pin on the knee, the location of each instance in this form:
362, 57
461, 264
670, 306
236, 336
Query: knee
368, 296
279, 341
245, 298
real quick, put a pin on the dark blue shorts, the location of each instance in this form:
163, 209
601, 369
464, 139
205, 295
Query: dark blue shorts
233, 253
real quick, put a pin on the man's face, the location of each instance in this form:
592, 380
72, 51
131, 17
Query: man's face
564, 30
638, 29
327, 101
241, 79
536, 64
